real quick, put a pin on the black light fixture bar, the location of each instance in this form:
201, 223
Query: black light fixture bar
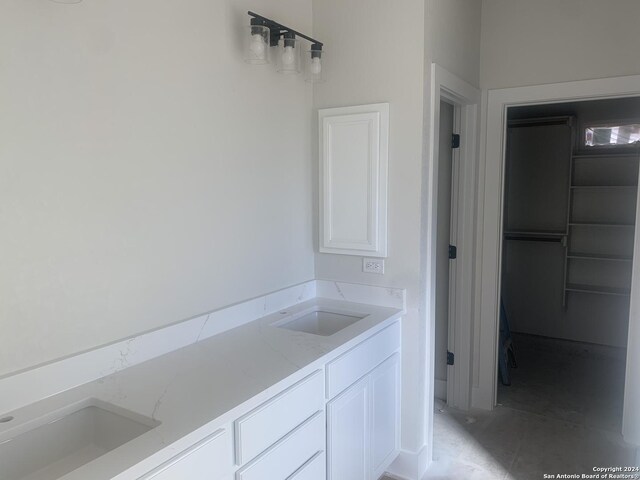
277, 30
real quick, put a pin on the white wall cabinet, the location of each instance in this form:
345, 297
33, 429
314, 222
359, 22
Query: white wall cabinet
353, 180
363, 425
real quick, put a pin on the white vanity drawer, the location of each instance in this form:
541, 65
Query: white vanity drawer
209, 459
360, 360
287, 456
262, 427
314, 469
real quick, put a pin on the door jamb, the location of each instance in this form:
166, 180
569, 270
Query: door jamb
466, 98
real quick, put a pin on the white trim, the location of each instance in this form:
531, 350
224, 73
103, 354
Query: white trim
440, 390
410, 465
490, 207
465, 97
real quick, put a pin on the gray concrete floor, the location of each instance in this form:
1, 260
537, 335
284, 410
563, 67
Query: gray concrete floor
562, 414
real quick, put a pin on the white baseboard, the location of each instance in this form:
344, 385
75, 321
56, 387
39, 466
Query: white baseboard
410, 465
441, 390
395, 477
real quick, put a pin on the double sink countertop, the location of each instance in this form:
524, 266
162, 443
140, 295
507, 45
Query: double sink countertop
197, 389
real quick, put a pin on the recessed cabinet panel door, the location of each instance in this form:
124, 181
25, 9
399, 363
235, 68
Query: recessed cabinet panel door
348, 434
353, 177
385, 396
352, 137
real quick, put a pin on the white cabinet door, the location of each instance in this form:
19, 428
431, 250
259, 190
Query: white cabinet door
364, 425
384, 383
348, 434
209, 459
353, 176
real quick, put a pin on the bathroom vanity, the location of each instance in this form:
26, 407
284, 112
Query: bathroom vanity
309, 392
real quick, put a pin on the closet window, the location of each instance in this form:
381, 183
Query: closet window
610, 135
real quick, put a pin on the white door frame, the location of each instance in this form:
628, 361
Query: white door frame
490, 197
466, 99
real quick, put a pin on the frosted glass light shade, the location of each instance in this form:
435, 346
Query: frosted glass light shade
313, 68
256, 49
288, 56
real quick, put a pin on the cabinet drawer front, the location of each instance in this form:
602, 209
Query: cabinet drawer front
288, 455
357, 362
262, 427
209, 459
314, 469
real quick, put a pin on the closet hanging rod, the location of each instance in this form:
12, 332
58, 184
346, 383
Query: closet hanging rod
550, 238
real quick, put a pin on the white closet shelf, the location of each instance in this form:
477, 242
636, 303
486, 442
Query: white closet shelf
534, 233
605, 187
598, 289
601, 224
600, 256
578, 156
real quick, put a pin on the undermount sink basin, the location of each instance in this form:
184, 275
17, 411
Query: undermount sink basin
58, 443
320, 321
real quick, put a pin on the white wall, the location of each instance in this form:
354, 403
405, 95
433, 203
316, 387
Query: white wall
453, 36
366, 67
382, 52
146, 173
546, 41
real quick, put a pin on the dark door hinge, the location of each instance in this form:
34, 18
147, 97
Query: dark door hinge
453, 252
455, 140
450, 358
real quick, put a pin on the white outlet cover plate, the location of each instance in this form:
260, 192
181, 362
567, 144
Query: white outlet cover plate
373, 265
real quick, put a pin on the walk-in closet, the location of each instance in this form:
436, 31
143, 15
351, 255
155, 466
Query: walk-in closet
571, 189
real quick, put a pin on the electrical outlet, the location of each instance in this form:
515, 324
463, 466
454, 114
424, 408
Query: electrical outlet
373, 265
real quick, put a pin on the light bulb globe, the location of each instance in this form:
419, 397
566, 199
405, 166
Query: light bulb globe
316, 66
257, 46
288, 57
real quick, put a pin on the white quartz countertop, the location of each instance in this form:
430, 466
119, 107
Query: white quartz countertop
196, 389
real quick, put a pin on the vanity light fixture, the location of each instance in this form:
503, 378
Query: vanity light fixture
265, 33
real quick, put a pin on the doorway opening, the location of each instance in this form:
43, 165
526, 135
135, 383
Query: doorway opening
569, 209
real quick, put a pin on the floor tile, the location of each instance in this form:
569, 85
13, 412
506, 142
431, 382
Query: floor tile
562, 414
